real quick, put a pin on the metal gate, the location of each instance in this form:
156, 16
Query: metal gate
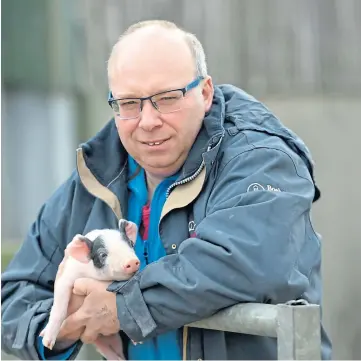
295, 324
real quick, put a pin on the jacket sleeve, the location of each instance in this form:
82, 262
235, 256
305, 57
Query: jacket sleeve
27, 283
252, 246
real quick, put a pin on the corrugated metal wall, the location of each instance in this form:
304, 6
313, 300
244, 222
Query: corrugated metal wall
268, 47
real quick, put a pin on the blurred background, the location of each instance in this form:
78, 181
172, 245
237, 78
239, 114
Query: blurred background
301, 57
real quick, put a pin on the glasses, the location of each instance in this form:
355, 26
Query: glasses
169, 101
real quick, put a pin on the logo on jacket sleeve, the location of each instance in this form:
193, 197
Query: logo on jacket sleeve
255, 187
259, 187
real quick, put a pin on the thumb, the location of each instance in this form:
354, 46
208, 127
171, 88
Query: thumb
83, 286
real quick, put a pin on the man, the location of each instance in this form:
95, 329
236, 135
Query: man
220, 190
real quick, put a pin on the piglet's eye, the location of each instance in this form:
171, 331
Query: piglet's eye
102, 255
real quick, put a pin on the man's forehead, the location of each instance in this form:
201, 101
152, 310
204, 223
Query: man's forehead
159, 64
152, 35
150, 51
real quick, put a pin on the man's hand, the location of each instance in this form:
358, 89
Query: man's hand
98, 313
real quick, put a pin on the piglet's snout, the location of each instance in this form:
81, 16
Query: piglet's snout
131, 266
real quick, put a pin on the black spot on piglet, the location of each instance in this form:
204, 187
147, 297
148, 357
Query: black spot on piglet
99, 252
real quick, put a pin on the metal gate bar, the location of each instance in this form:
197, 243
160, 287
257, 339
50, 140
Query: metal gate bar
296, 325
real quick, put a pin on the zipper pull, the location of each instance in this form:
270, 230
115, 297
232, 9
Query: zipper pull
146, 251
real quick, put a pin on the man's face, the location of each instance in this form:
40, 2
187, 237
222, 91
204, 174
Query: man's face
147, 62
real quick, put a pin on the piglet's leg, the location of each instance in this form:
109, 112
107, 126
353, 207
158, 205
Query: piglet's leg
111, 347
58, 313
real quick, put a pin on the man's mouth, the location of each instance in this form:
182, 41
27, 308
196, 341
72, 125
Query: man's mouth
157, 142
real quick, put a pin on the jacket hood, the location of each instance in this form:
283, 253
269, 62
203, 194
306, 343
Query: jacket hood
104, 154
254, 115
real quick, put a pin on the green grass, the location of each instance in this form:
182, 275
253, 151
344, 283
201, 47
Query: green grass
7, 253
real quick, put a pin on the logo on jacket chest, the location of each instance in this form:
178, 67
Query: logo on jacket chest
192, 228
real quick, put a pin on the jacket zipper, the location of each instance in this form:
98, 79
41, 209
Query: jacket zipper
183, 181
145, 251
188, 179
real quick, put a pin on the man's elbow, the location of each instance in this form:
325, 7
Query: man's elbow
281, 287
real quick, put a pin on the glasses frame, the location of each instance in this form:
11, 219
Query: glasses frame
194, 83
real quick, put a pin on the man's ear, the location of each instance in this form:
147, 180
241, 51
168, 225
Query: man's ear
208, 92
80, 248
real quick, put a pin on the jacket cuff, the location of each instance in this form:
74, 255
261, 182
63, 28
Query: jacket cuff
133, 314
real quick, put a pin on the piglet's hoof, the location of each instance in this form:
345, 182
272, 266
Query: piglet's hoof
48, 343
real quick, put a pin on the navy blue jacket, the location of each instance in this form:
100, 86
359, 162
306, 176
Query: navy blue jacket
236, 227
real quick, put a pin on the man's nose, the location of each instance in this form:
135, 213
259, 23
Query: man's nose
149, 117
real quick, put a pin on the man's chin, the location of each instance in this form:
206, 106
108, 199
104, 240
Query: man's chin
162, 166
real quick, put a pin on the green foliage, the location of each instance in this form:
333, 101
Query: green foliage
7, 254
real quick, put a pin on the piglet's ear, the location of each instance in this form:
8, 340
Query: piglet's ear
128, 228
79, 248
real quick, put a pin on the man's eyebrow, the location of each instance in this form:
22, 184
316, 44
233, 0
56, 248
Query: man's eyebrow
132, 95
168, 88
125, 95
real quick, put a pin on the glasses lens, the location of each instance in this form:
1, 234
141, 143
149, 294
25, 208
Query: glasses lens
126, 108
169, 102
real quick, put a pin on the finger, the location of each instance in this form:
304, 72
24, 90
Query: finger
109, 347
75, 303
115, 342
89, 335
76, 334
82, 286
73, 322
72, 335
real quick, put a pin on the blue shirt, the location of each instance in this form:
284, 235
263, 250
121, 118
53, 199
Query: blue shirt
165, 346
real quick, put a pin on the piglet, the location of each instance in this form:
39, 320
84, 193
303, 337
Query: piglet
104, 255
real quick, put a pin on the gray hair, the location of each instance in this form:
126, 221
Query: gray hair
192, 41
